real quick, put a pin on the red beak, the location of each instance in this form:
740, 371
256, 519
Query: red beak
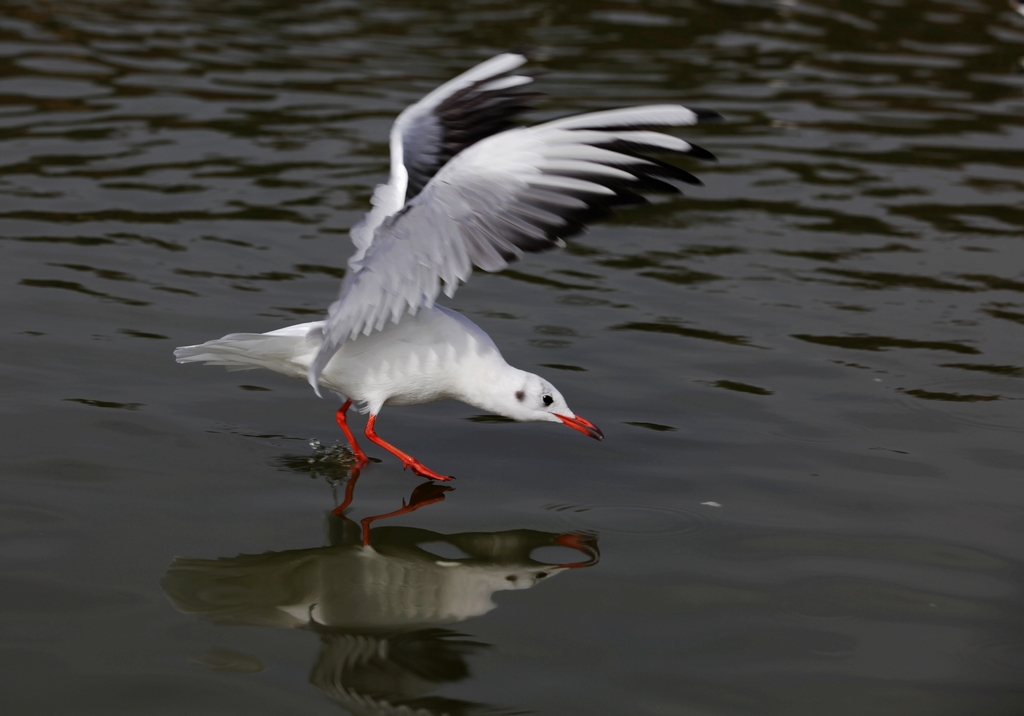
582, 542
583, 425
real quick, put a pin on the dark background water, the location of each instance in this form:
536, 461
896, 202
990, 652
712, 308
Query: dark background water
824, 342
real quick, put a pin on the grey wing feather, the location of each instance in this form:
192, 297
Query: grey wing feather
519, 191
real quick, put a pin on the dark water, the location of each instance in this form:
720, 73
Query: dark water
809, 372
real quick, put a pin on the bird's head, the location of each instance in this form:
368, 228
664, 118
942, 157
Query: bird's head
526, 397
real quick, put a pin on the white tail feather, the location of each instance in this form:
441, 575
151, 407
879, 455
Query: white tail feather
288, 351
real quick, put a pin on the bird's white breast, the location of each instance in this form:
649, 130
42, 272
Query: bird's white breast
422, 358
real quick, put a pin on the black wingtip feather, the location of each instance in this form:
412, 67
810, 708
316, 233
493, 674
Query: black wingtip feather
628, 198
707, 115
648, 183
658, 168
701, 153
554, 213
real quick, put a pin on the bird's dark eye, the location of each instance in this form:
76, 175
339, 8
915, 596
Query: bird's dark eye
548, 400
520, 395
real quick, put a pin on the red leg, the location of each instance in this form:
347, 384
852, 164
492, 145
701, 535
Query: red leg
343, 424
407, 460
349, 491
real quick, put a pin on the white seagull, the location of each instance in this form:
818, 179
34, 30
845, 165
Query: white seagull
468, 187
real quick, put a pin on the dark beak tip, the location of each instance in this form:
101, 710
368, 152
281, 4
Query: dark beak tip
582, 425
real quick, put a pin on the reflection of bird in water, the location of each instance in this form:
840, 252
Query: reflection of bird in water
378, 608
375, 675
467, 188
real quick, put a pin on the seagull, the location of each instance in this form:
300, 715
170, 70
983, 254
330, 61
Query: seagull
468, 186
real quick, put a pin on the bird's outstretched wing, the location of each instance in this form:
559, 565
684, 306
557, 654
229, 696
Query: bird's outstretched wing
478, 103
522, 190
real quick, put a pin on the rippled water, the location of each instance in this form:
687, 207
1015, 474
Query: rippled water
809, 372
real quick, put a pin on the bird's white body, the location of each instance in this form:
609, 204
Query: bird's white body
434, 355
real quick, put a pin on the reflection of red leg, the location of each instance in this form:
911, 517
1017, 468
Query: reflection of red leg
349, 490
343, 424
407, 460
426, 494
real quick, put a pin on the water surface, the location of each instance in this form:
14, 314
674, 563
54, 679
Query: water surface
809, 371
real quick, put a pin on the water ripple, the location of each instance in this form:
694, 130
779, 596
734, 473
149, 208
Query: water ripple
636, 519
